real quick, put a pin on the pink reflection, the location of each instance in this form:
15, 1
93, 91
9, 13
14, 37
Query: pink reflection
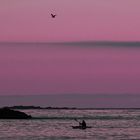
45, 69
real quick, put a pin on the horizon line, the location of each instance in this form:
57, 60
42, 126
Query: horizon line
76, 94
78, 41
82, 43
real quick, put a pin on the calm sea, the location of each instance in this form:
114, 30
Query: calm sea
57, 125
81, 68
65, 68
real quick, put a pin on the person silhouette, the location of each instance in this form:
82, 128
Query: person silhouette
83, 124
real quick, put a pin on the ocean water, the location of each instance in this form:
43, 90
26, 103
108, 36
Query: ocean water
122, 124
71, 68
65, 68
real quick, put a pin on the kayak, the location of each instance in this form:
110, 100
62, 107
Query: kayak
80, 127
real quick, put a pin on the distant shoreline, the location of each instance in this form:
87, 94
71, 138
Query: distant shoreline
66, 108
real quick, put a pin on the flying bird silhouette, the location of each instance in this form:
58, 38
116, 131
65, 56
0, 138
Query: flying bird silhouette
53, 16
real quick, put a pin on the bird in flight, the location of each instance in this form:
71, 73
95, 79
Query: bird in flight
53, 16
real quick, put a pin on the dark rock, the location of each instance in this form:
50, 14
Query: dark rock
6, 113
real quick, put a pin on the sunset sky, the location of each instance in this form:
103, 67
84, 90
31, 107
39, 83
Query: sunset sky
29, 20
41, 69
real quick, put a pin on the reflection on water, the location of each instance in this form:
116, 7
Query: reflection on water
60, 129
42, 68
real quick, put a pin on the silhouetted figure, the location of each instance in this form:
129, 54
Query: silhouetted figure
53, 16
83, 124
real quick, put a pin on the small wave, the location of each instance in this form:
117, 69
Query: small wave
90, 118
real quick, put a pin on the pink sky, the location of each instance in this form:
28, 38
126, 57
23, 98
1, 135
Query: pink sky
29, 20
26, 69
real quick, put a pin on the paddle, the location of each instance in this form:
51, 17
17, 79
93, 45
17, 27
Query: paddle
77, 121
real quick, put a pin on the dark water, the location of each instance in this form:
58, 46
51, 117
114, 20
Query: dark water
56, 125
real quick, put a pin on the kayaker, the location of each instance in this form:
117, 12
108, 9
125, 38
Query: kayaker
83, 124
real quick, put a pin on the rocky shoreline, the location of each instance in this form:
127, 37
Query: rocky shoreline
7, 113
